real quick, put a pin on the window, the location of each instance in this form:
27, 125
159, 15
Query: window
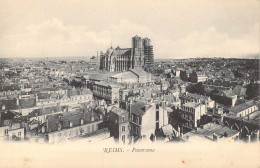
123, 138
131, 117
88, 128
6, 131
137, 120
131, 127
93, 127
59, 127
19, 134
6, 122
123, 118
123, 128
157, 115
137, 130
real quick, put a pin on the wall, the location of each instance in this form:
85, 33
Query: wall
148, 122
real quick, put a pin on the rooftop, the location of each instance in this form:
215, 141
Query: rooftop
209, 129
243, 106
118, 111
124, 75
191, 104
138, 108
139, 72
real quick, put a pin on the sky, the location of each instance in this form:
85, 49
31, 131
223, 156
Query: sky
177, 29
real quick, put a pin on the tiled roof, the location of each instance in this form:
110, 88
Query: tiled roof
138, 108
228, 93
211, 128
139, 72
118, 111
242, 106
239, 90
45, 111
191, 104
75, 117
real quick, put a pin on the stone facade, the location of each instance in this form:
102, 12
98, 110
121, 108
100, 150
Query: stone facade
123, 59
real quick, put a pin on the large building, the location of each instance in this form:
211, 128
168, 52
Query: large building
123, 59
118, 124
146, 118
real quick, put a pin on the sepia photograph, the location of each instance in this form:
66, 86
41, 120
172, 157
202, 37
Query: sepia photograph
128, 83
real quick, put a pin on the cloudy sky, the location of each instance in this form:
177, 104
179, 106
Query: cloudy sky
178, 29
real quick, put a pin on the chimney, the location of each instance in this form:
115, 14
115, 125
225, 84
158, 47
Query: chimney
179, 131
215, 138
44, 129
248, 138
17, 101
92, 117
147, 106
82, 121
3, 107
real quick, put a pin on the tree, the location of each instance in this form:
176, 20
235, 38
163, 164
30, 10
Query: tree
197, 88
252, 90
183, 76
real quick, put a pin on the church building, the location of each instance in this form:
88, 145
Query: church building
123, 59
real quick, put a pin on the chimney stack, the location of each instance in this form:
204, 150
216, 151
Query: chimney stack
147, 106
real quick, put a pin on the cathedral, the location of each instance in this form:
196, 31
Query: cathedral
123, 59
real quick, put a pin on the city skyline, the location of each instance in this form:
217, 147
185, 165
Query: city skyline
183, 29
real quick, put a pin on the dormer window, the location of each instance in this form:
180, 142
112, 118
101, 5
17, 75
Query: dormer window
81, 121
123, 118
